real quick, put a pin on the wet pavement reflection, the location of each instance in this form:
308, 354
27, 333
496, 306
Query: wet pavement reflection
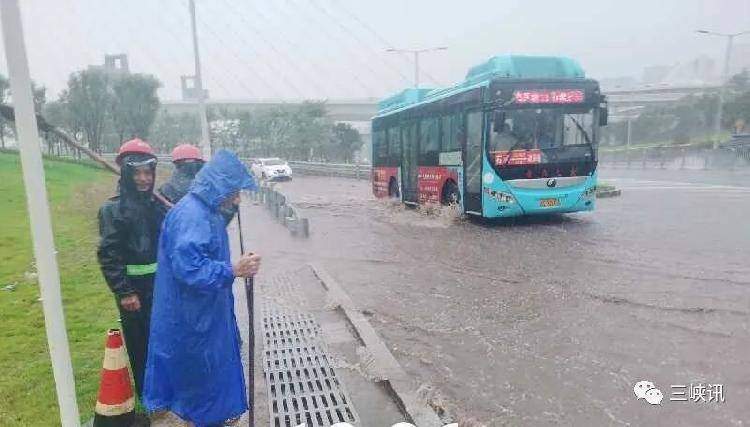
547, 320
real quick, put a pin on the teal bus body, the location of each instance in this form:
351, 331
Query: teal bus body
518, 136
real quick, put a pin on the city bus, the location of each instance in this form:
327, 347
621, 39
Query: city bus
518, 136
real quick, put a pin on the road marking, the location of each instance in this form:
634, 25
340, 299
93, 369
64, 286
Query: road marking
640, 184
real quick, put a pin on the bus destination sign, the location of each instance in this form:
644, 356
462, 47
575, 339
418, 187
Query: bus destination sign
563, 96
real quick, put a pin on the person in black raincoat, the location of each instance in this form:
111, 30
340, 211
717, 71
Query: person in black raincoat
187, 160
129, 225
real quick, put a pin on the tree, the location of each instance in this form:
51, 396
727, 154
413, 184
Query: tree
346, 140
170, 130
737, 112
4, 94
740, 81
134, 105
39, 94
88, 99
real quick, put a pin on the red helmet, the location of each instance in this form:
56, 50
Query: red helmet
133, 146
186, 152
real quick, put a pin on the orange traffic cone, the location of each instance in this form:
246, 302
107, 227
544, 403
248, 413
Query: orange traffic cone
115, 404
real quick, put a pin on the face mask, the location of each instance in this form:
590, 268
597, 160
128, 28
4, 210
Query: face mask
190, 168
228, 212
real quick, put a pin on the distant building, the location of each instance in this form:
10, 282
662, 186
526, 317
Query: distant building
618, 83
699, 71
114, 64
655, 73
117, 63
189, 91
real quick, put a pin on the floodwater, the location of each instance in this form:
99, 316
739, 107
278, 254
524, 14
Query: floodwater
547, 321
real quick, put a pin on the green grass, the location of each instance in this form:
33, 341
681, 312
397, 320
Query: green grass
27, 392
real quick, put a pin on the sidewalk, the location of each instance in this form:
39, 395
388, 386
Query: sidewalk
317, 359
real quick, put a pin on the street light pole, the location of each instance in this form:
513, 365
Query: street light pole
416, 53
205, 138
39, 213
724, 79
416, 70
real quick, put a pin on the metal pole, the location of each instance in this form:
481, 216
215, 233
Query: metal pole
628, 140
416, 69
205, 138
41, 225
250, 297
628, 143
416, 53
722, 90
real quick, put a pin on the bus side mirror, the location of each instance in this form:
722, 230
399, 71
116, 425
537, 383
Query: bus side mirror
498, 120
603, 116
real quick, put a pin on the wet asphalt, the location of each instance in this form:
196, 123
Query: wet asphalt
547, 320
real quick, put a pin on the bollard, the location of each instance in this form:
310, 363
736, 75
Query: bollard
645, 151
684, 154
661, 157
304, 225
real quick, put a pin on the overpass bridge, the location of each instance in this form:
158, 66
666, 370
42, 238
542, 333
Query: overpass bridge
340, 110
358, 112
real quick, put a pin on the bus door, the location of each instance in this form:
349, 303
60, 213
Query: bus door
409, 168
473, 163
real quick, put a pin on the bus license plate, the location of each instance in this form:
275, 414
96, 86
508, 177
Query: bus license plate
549, 203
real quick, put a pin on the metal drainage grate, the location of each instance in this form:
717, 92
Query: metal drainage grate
302, 386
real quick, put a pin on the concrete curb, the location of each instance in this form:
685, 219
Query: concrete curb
396, 381
603, 194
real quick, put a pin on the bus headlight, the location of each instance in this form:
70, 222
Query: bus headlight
505, 197
500, 196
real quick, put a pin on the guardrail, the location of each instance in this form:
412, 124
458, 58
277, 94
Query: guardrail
282, 210
677, 157
356, 171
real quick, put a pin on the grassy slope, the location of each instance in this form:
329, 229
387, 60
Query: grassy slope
27, 394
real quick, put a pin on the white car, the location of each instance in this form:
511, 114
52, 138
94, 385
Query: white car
271, 169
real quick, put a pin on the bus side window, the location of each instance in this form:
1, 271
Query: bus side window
394, 146
429, 141
379, 148
452, 128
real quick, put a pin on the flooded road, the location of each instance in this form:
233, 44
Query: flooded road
547, 321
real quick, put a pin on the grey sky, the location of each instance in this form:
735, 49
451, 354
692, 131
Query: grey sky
316, 49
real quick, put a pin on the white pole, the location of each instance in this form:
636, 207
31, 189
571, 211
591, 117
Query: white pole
722, 90
205, 138
416, 69
628, 143
41, 225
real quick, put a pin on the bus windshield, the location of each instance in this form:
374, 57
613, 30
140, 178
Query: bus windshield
542, 129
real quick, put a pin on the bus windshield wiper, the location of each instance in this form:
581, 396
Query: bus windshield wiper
510, 151
578, 125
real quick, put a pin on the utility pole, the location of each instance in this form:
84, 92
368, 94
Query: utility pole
416, 53
205, 137
724, 79
628, 140
39, 214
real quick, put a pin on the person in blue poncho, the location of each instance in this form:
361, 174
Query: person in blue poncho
194, 368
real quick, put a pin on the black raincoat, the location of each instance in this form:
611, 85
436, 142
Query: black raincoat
179, 184
129, 234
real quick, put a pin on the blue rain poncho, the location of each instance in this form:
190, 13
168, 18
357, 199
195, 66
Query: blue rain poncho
194, 367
